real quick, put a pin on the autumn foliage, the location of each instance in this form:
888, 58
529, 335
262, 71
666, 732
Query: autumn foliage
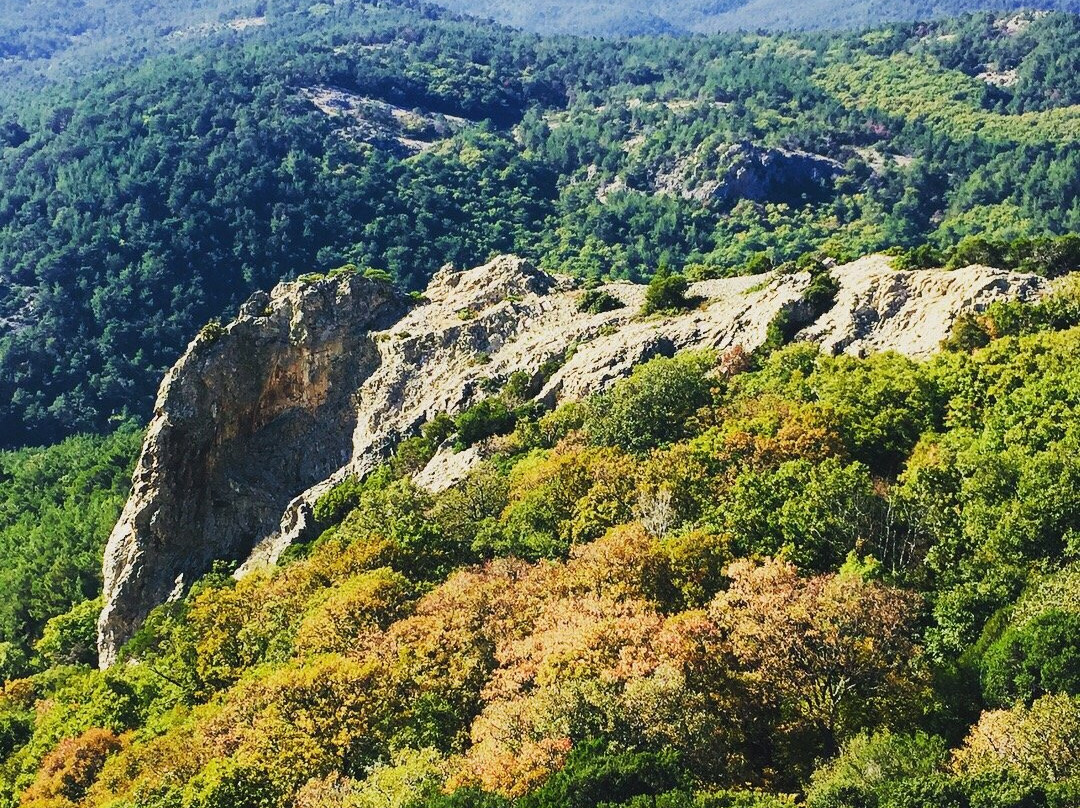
753, 610
71, 768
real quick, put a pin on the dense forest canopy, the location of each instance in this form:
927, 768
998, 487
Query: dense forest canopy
57, 506
137, 203
638, 17
42, 41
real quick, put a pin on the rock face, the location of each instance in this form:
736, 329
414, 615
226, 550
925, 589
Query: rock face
315, 382
725, 175
878, 309
246, 419
773, 175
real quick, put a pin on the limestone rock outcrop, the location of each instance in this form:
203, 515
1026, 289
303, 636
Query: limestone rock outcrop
252, 414
315, 382
744, 170
880, 309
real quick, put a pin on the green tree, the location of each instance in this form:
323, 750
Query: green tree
666, 292
885, 769
71, 638
595, 776
1040, 657
654, 406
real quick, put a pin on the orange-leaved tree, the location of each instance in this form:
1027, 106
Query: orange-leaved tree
837, 652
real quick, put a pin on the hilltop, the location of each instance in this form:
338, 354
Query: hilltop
322, 380
693, 560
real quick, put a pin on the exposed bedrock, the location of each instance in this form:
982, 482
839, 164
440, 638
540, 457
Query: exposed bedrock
314, 382
251, 414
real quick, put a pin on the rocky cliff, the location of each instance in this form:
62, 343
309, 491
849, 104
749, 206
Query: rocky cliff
724, 175
252, 414
317, 381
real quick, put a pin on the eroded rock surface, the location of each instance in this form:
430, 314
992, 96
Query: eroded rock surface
312, 383
250, 416
743, 170
880, 309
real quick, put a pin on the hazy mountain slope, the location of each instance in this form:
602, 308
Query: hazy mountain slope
47, 39
634, 17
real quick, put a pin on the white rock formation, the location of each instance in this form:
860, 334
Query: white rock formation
313, 383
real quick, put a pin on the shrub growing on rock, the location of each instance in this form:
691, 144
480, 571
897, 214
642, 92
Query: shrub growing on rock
666, 292
597, 301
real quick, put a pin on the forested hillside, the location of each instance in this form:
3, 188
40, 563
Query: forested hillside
740, 581
637, 17
136, 204
57, 506
44, 40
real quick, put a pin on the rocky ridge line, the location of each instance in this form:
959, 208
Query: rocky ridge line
315, 382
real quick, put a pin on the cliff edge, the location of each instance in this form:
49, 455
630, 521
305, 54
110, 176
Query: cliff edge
251, 414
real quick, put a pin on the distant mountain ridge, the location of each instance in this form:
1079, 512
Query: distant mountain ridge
641, 17
49, 39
